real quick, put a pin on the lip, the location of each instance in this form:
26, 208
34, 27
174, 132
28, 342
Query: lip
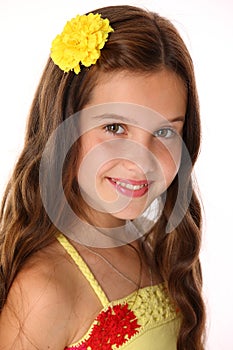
128, 187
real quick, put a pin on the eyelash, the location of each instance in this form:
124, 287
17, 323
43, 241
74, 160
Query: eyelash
109, 129
171, 130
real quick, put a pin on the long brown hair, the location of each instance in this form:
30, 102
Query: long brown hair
142, 42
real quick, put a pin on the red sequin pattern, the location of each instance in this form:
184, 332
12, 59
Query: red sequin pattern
113, 326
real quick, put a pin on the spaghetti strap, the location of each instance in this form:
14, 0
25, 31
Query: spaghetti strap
83, 268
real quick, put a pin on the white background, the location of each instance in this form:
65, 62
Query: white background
26, 30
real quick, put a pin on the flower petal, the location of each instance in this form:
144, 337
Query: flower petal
80, 42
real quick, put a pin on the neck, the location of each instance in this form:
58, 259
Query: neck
99, 237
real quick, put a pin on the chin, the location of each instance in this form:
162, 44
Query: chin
128, 214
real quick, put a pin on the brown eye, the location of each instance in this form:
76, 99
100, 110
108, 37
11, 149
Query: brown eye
115, 128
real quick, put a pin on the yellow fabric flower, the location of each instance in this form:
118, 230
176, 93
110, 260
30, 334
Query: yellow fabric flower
80, 42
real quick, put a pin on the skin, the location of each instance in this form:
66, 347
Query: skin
152, 144
50, 304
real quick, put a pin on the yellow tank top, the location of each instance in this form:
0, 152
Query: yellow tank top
144, 320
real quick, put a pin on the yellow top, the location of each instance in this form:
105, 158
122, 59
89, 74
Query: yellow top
146, 319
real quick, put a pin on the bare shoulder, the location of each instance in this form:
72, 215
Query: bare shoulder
38, 310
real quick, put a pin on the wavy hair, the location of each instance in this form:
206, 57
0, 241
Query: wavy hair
142, 42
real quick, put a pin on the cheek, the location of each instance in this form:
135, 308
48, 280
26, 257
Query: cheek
86, 143
169, 158
89, 140
95, 159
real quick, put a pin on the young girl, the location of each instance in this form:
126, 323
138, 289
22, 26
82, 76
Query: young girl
113, 130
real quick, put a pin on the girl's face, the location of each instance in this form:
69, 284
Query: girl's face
131, 143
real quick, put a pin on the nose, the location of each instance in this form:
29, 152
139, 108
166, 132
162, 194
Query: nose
139, 154
142, 137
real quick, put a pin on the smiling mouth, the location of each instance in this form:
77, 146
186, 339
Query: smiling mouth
130, 188
129, 185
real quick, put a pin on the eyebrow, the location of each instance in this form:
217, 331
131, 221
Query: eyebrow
115, 116
132, 121
177, 119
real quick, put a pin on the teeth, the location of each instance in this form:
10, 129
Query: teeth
129, 186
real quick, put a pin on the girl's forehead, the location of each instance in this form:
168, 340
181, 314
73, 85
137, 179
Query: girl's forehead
163, 92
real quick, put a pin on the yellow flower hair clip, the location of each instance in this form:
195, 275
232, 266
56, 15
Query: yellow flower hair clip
80, 42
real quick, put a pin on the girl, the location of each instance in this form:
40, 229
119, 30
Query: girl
115, 119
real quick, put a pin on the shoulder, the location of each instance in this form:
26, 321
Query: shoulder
37, 311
